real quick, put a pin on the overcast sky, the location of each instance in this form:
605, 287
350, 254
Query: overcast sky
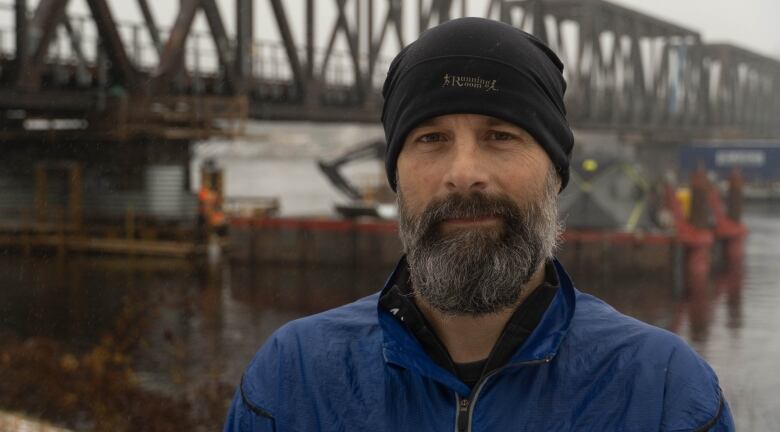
752, 24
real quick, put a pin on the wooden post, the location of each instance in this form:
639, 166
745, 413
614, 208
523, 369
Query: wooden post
75, 207
41, 190
130, 223
25, 233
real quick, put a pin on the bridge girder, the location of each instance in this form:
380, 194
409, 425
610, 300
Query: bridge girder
626, 70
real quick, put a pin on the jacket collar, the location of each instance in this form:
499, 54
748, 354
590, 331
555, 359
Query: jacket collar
402, 349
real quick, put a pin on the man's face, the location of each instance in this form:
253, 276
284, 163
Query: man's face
478, 211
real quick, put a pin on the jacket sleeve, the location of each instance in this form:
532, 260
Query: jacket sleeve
724, 422
244, 417
269, 385
693, 399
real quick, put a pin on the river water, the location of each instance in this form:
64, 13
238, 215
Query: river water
204, 322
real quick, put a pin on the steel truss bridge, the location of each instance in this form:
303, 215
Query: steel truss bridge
98, 76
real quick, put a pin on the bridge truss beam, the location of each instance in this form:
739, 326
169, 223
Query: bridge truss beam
627, 71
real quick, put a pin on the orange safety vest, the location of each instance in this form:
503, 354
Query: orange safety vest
208, 201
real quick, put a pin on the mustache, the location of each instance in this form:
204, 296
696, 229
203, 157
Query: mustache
471, 206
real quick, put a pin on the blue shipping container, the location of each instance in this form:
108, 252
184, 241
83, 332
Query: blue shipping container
757, 161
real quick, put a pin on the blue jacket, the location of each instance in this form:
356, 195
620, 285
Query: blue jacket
585, 367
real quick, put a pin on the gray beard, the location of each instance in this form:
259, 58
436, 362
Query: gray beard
478, 271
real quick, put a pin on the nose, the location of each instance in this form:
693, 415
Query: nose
467, 172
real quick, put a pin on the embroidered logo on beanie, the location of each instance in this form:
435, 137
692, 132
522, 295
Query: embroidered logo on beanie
468, 81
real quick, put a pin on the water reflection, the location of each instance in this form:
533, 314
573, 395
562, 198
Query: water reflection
201, 324
303, 290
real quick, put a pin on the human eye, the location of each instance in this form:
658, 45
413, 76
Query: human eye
501, 135
431, 137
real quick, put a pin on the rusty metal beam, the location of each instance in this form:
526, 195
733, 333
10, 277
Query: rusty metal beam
639, 89
358, 24
393, 17
245, 31
151, 25
375, 45
540, 28
352, 42
331, 43
289, 45
652, 23
121, 65
310, 39
423, 17
43, 26
492, 7
342, 26
218, 33
56, 102
690, 87
22, 37
172, 56
441, 8
398, 20
75, 41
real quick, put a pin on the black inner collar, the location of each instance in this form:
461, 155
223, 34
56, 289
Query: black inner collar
398, 300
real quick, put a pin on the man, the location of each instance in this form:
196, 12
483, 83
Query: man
478, 328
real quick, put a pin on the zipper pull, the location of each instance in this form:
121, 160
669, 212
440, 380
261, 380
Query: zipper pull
463, 415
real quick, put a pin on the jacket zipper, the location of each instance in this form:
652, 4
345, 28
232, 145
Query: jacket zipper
465, 407
461, 419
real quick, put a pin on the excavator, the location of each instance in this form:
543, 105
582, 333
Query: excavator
367, 202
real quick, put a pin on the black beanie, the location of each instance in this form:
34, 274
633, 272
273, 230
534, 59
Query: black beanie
478, 66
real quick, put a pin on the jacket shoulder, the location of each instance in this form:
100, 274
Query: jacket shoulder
311, 333
309, 355
688, 388
693, 397
595, 318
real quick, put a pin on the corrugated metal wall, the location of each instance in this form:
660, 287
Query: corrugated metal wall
165, 193
161, 193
